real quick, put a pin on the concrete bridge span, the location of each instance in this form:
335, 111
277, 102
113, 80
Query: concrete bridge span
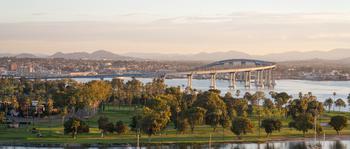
261, 71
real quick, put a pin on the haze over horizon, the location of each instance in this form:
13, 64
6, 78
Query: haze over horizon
161, 26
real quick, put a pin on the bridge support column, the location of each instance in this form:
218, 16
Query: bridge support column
212, 81
257, 78
247, 79
232, 80
189, 81
273, 81
261, 83
268, 78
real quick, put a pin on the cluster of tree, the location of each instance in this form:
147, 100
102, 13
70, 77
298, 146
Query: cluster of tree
188, 109
304, 113
333, 102
40, 98
108, 127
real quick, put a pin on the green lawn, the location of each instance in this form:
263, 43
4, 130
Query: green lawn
53, 132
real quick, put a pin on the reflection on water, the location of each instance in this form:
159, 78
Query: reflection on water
344, 144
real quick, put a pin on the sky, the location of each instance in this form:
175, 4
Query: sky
167, 26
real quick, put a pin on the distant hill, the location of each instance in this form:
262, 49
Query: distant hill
335, 54
97, 55
203, 56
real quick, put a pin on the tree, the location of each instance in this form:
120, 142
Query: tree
303, 123
182, 125
241, 125
340, 103
215, 106
349, 99
304, 112
74, 125
270, 125
338, 123
121, 128
240, 106
195, 116
154, 120
104, 125
328, 103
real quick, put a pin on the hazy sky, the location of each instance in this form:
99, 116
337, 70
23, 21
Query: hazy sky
173, 26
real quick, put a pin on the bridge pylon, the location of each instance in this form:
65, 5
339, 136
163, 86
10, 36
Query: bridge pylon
212, 81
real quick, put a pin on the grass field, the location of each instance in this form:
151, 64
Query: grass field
53, 132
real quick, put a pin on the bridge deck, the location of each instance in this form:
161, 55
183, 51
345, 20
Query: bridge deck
224, 70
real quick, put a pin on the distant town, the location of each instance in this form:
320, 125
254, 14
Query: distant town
52, 67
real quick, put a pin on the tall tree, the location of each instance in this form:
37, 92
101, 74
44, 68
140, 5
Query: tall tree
328, 103
195, 116
214, 105
340, 103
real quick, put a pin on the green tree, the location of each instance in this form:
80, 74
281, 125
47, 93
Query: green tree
121, 128
338, 123
153, 122
303, 123
195, 116
182, 125
340, 103
328, 103
215, 106
270, 125
240, 126
240, 107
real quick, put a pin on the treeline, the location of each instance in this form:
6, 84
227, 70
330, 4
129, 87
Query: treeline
158, 107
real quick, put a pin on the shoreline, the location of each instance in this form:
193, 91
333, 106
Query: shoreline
145, 144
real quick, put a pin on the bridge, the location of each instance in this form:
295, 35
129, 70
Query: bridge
247, 69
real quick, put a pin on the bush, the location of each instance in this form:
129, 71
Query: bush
83, 128
120, 127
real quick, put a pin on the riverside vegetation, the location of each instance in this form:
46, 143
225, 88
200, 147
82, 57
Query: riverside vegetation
66, 111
